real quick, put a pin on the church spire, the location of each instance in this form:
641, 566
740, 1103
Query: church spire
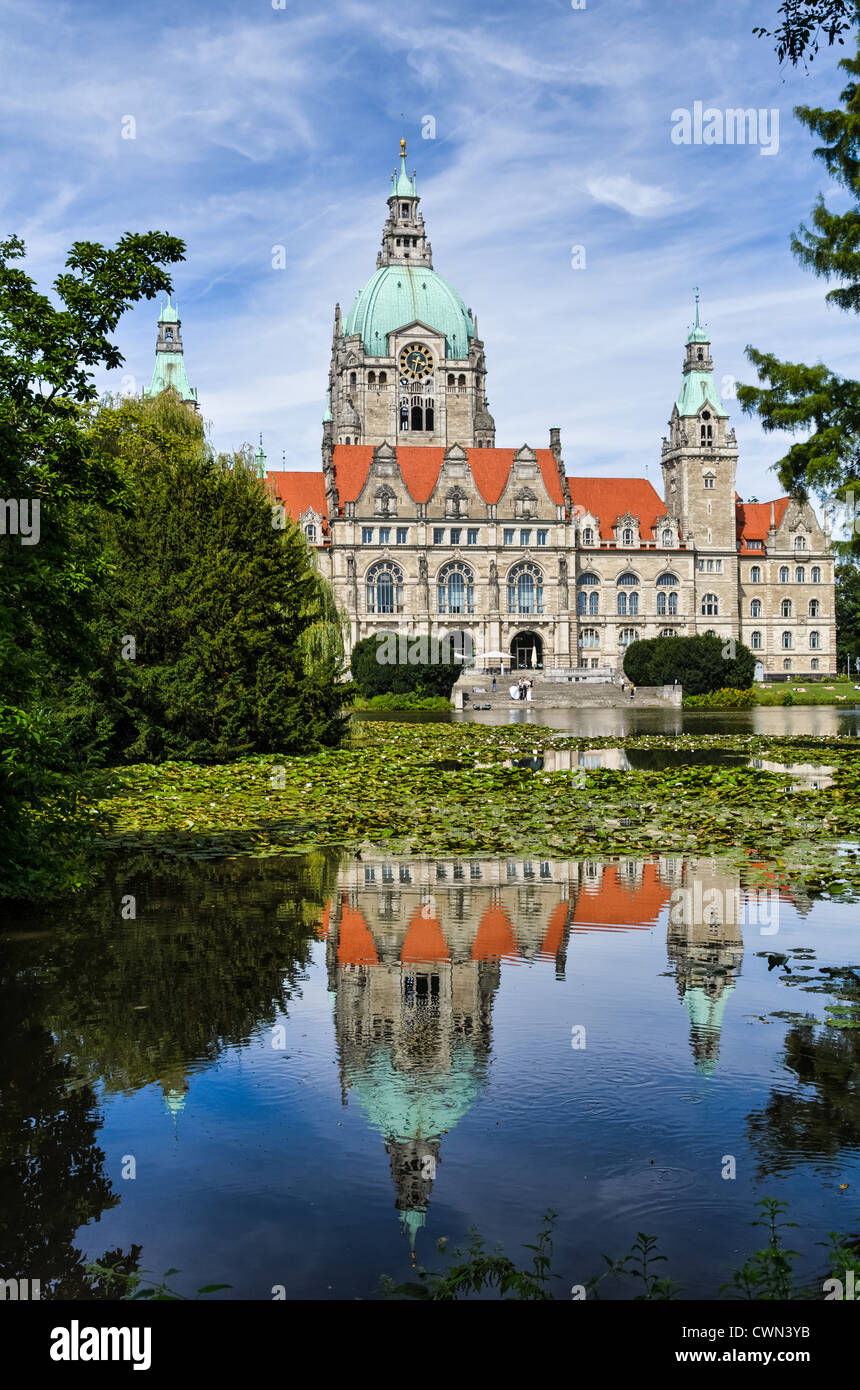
169, 370
403, 238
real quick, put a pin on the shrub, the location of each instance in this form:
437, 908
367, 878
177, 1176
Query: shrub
376, 673
697, 663
727, 698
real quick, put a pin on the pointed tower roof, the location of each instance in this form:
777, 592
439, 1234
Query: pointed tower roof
697, 333
698, 386
168, 313
169, 370
402, 186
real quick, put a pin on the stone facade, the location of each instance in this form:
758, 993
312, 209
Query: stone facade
424, 526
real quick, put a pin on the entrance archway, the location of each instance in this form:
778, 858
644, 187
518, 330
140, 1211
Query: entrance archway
460, 647
527, 652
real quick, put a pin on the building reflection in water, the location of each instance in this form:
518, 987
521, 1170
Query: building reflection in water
414, 952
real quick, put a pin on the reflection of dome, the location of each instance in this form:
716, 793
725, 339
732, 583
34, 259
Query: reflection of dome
415, 1105
706, 1019
397, 295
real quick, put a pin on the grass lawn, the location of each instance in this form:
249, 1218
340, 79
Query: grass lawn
831, 691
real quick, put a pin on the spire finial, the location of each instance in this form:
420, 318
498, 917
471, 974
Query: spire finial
697, 305
403, 147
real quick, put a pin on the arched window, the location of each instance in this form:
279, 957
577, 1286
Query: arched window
461, 381
589, 637
384, 588
783, 574
588, 536
383, 378
627, 537
755, 641
311, 531
816, 574
588, 603
622, 603
667, 603
786, 607
168, 335
786, 641
755, 608
668, 632
706, 430
353, 379
455, 588
668, 538
628, 635
525, 589
800, 542
627, 580
814, 663
786, 665
814, 608
667, 581
451, 381
755, 574
710, 481
710, 606
814, 641
800, 574
371, 378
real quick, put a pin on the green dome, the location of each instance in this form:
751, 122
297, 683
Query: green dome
396, 295
168, 313
411, 1105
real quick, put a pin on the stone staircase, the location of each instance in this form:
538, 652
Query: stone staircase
473, 690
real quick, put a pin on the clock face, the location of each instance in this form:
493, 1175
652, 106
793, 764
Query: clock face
416, 361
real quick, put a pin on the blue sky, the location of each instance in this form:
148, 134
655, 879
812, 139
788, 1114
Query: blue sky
257, 127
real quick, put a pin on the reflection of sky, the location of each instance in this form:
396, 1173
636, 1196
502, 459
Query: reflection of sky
269, 1179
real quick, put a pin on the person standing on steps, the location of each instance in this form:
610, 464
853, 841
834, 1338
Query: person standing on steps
494, 685
633, 692
529, 688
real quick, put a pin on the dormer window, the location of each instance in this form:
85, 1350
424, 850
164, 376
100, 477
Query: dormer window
627, 535
667, 538
588, 536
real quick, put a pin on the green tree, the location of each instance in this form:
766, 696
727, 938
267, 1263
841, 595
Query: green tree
813, 402
216, 634
48, 572
848, 612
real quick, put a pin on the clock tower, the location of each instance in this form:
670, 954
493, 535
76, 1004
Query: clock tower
407, 365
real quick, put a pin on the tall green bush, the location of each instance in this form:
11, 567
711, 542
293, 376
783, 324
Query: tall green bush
697, 663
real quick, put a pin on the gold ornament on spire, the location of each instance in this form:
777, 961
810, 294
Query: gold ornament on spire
403, 148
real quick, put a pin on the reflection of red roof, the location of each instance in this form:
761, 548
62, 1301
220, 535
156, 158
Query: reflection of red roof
322, 929
495, 935
554, 937
752, 521
355, 941
610, 498
298, 491
615, 904
424, 939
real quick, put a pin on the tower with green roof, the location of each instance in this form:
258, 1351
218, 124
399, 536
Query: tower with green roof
169, 372
699, 461
407, 365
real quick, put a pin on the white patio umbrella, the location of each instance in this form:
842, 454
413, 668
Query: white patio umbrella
534, 658
493, 656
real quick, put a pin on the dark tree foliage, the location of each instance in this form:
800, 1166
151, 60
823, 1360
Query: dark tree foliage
236, 647
375, 674
697, 663
848, 613
805, 23
48, 348
816, 405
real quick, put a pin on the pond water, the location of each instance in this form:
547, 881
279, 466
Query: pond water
297, 1072
609, 723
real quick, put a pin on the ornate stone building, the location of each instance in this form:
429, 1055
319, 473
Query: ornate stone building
424, 526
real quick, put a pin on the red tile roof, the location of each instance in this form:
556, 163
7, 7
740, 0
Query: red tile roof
610, 498
420, 465
753, 521
298, 491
